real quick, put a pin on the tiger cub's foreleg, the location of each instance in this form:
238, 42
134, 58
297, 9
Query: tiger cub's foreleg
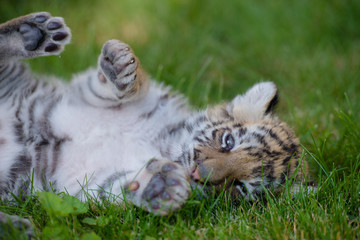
161, 187
33, 35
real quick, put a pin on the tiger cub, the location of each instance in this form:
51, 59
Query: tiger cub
114, 131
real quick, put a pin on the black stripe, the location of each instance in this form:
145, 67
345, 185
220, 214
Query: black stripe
237, 125
3, 68
278, 140
15, 99
161, 102
31, 119
175, 128
185, 156
292, 148
242, 132
18, 128
266, 170
45, 144
19, 72
28, 91
189, 128
178, 162
214, 133
20, 168
17, 113
198, 139
44, 124
96, 94
109, 182
214, 124
196, 153
260, 139
200, 119
56, 153
258, 155
41, 162
10, 89
275, 137
8, 74
286, 160
12, 82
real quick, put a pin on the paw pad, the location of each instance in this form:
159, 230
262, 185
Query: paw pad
32, 36
41, 18
54, 25
59, 36
51, 47
43, 34
168, 188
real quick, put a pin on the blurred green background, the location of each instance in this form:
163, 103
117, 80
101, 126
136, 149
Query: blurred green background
212, 50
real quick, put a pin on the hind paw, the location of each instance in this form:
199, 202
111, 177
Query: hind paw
118, 64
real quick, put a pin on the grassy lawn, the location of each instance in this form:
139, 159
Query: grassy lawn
310, 49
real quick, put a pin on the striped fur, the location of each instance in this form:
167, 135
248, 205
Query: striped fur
112, 131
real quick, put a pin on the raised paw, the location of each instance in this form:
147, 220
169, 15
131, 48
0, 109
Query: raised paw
167, 189
43, 35
118, 64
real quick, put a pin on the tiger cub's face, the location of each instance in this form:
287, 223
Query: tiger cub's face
244, 148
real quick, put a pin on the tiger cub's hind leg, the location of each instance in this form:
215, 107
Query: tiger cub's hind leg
120, 70
9, 223
163, 187
33, 35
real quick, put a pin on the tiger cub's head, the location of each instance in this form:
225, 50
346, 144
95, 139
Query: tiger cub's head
242, 147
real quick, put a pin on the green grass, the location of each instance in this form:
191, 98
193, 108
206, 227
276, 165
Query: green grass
310, 49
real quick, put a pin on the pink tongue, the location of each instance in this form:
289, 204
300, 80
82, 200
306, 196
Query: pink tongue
196, 174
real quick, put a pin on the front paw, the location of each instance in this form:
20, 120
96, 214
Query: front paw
118, 64
168, 189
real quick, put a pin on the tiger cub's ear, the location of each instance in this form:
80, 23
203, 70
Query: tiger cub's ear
255, 104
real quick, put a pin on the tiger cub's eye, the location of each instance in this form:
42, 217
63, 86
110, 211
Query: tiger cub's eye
228, 142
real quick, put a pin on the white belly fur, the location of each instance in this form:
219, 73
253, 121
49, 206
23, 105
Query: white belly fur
107, 140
